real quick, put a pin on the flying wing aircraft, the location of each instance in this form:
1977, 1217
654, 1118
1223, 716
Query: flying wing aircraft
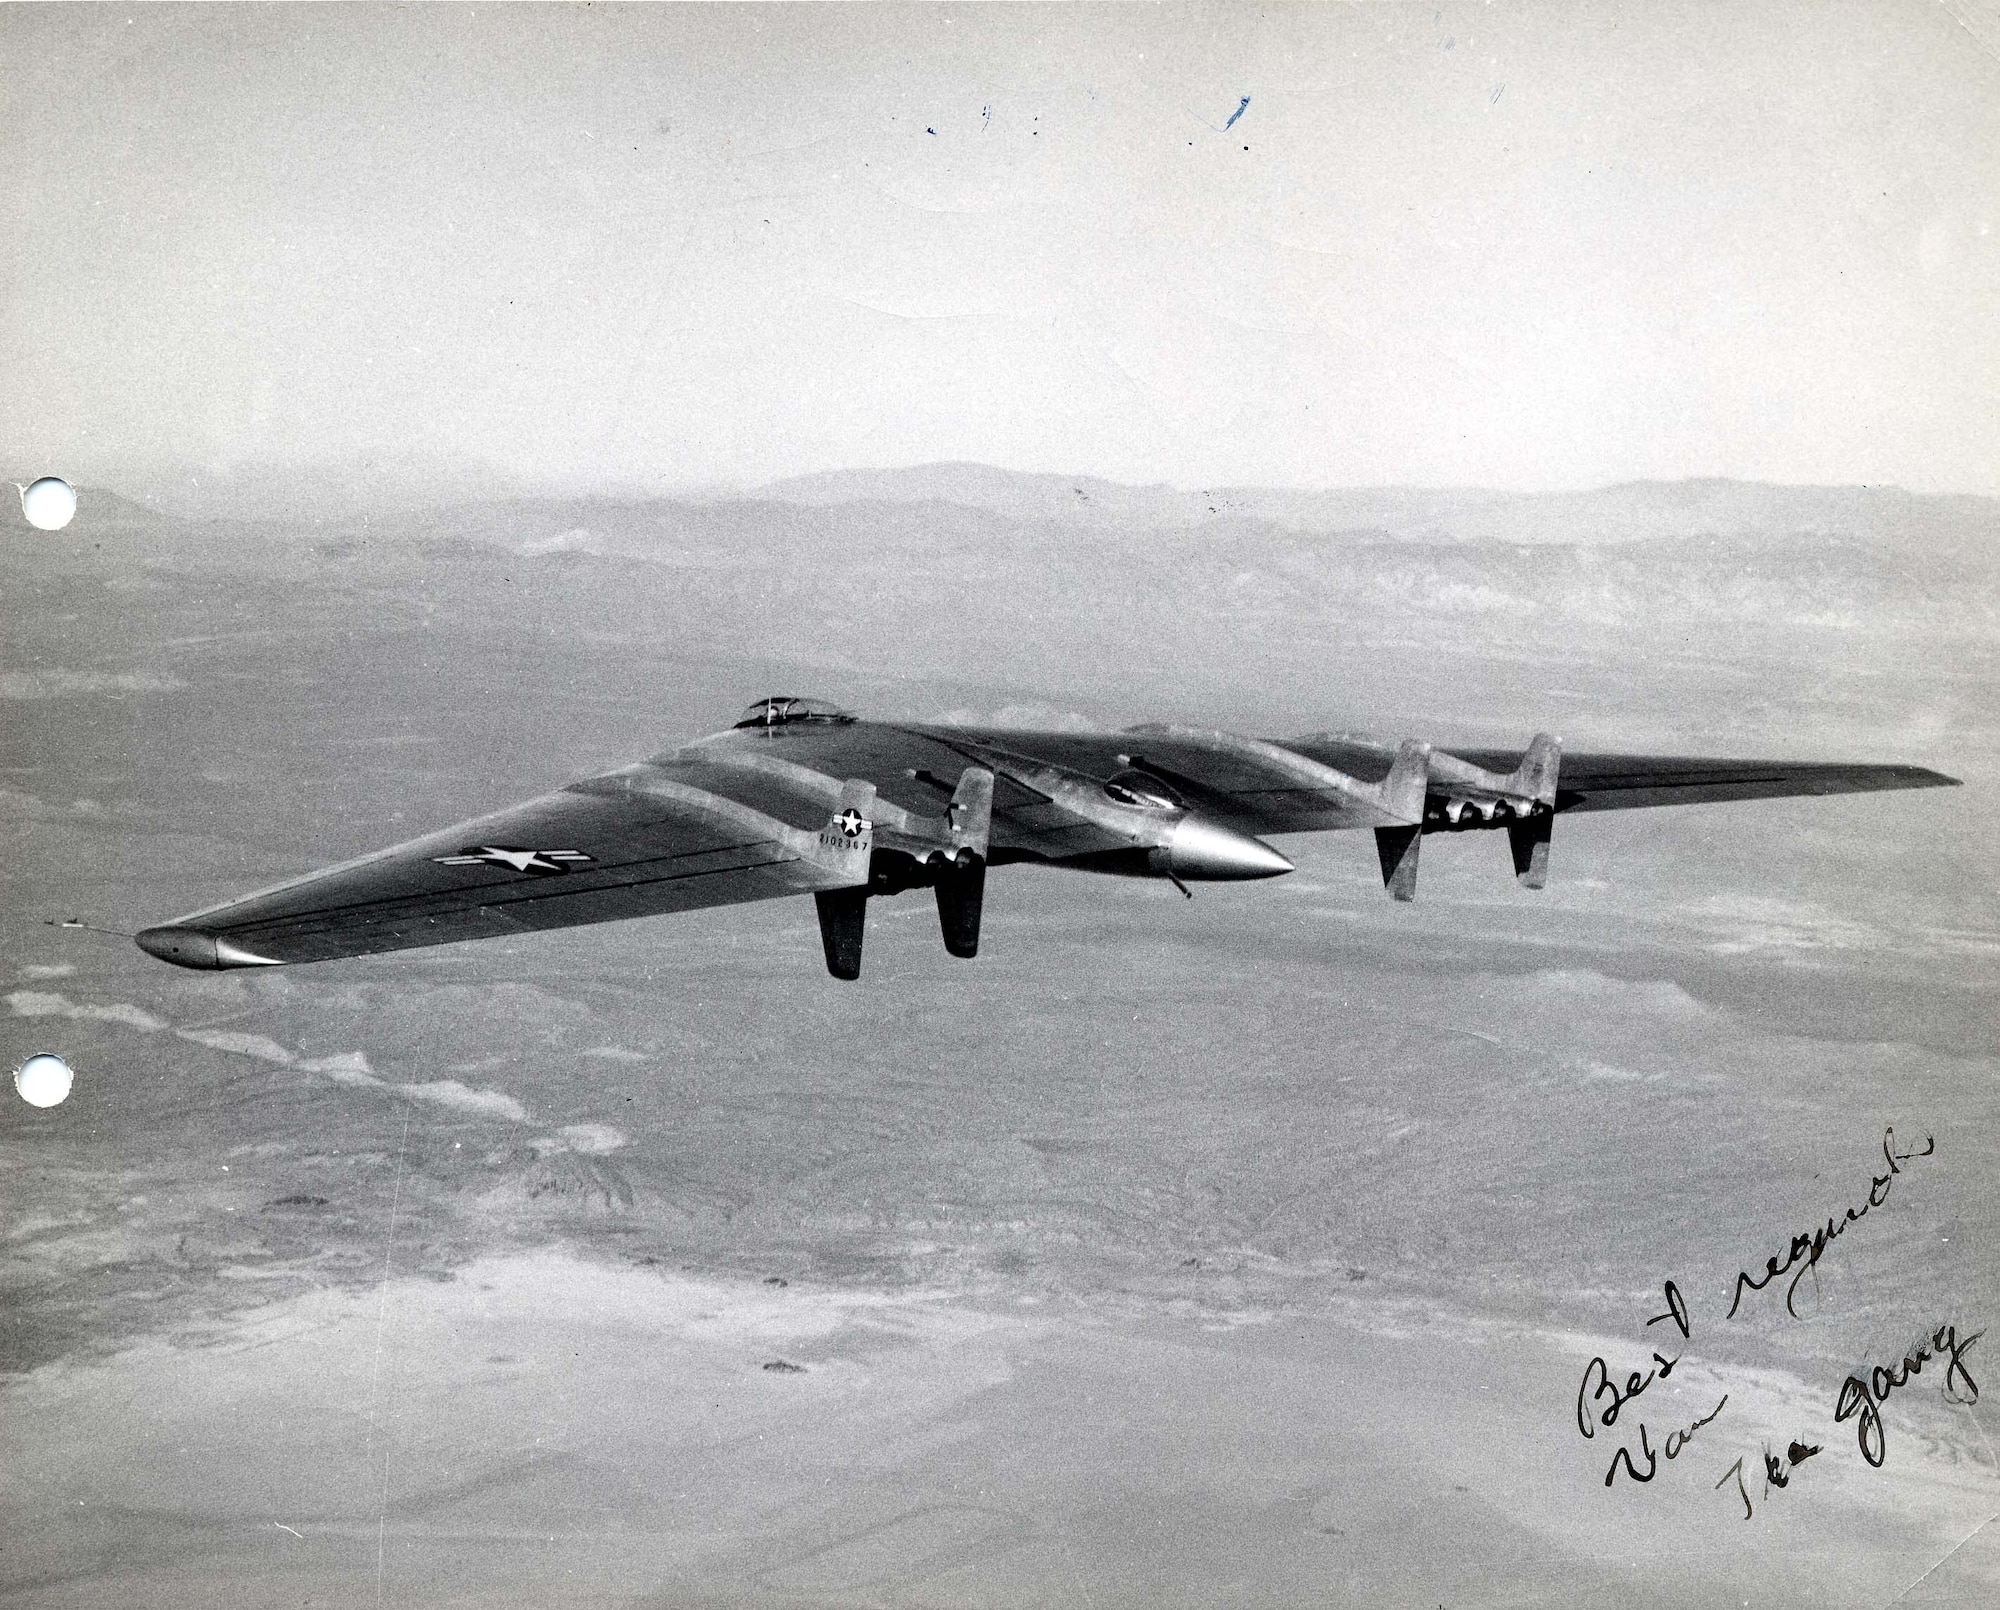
802, 798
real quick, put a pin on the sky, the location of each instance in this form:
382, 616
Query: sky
703, 247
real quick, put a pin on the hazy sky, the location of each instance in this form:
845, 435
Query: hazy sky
1517, 246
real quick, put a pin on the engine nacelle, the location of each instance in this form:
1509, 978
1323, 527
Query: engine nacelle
1461, 798
1198, 850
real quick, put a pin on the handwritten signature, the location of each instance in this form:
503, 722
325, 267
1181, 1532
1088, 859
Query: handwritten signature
1676, 1441
1593, 1412
1603, 1395
1777, 1472
1864, 1395
1597, 1382
1810, 1245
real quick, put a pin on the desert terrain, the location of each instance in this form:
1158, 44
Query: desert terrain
1249, 1250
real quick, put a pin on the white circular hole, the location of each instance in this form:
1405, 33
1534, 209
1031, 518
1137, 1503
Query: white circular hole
49, 504
43, 1080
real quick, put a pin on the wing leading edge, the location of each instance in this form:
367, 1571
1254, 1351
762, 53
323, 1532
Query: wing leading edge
636, 843
806, 799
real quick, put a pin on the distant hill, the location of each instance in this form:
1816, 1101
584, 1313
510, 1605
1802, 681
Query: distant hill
964, 548
1083, 500
875, 550
1383, 600
1634, 511
402, 492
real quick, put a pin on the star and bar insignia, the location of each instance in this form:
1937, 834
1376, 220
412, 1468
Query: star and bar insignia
851, 822
540, 862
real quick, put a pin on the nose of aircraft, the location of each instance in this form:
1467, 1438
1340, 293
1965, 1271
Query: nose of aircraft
1198, 849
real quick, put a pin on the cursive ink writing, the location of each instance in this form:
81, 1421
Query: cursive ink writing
1588, 1416
1736, 1470
1677, 1311
1812, 1244
1777, 1472
1676, 1441
1863, 1396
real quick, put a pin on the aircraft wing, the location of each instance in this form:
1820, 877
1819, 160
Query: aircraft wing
634, 843
1327, 782
1257, 786
800, 798
1626, 782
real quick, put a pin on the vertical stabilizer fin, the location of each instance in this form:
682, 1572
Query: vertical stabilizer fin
1535, 777
1398, 848
843, 920
847, 842
1529, 841
846, 849
961, 894
971, 810
961, 884
1402, 792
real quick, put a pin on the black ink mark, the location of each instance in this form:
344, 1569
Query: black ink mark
1864, 1396
1811, 1245
1677, 1311
1676, 1441
1736, 1470
1625, 1455
1588, 1419
1777, 1472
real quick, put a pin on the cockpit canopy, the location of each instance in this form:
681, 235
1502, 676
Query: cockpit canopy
1143, 789
784, 710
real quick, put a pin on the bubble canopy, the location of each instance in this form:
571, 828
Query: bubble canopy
784, 710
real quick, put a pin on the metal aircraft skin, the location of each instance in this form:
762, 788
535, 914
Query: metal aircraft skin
801, 798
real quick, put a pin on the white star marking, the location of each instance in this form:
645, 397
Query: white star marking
851, 822
519, 860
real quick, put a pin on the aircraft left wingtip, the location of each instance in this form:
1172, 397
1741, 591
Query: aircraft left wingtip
190, 947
